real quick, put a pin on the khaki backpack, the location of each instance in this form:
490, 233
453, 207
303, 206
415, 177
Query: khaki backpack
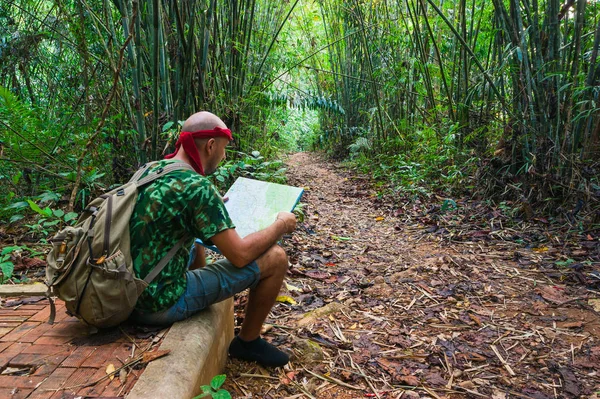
90, 265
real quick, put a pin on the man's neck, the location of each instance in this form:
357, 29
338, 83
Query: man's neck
182, 156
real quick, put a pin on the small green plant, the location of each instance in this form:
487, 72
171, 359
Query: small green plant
225, 175
214, 390
565, 263
6, 265
253, 166
256, 167
448, 204
50, 219
508, 208
361, 145
299, 211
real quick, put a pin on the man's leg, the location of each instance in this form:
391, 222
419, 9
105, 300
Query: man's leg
273, 266
220, 280
248, 345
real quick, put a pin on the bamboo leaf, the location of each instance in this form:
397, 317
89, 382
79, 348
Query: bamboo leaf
47, 212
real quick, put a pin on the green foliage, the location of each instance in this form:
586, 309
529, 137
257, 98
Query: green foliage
424, 159
253, 166
361, 145
448, 204
214, 390
291, 129
47, 212
49, 220
508, 208
6, 266
565, 263
299, 212
31, 139
394, 86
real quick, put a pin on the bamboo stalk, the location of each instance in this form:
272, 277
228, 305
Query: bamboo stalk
155, 14
103, 116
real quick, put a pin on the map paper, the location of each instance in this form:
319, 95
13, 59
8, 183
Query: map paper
253, 204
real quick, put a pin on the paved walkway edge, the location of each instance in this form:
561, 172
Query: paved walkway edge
198, 352
36, 289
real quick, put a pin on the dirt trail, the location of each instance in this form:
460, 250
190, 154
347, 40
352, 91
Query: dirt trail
383, 309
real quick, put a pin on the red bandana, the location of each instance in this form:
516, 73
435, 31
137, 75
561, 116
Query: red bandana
186, 139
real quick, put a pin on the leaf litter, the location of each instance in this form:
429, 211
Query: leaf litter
405, 299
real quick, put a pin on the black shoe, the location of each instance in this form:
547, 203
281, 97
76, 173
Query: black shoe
259, 351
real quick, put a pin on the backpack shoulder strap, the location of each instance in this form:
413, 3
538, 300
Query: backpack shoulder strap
163, 262
148, 179
161, 172
141, 171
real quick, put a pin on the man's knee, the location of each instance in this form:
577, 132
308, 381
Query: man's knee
274, 261
279, 255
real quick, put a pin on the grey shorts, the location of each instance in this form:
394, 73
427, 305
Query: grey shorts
210, 284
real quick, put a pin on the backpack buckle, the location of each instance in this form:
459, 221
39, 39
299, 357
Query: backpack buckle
159, 170
120, 192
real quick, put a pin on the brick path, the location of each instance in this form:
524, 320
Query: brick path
43, 361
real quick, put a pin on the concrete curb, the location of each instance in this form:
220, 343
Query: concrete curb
198, 352
36, 289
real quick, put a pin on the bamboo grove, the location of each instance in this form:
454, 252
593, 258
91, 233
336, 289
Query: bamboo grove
86, 80
498, 96
512, 86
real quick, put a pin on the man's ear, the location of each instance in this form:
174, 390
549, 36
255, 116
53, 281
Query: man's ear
210, 145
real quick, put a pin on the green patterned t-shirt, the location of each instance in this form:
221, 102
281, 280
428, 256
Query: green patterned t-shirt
182, 202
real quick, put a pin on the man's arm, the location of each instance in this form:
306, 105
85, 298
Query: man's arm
241, 251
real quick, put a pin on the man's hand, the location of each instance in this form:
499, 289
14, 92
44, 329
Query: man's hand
289, 219
241, 251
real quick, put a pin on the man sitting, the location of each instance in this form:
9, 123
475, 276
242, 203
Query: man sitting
184, 203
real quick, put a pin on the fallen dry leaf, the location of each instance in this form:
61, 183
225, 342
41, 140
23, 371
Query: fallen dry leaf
288, 377
552, 294
110, 369
408, 380
266, 328
497, 394
476, 319
317, 275
291, 287
571, 324
151, 356
286, 299
312, 316
123, 376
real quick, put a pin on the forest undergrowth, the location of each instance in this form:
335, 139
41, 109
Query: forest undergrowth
393, 298
397, 295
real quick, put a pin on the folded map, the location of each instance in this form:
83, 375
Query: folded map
253, 204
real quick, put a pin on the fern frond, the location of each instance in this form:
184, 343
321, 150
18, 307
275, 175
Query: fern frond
361, 144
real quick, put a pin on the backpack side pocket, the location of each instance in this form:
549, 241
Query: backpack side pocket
111, 293
66, 245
